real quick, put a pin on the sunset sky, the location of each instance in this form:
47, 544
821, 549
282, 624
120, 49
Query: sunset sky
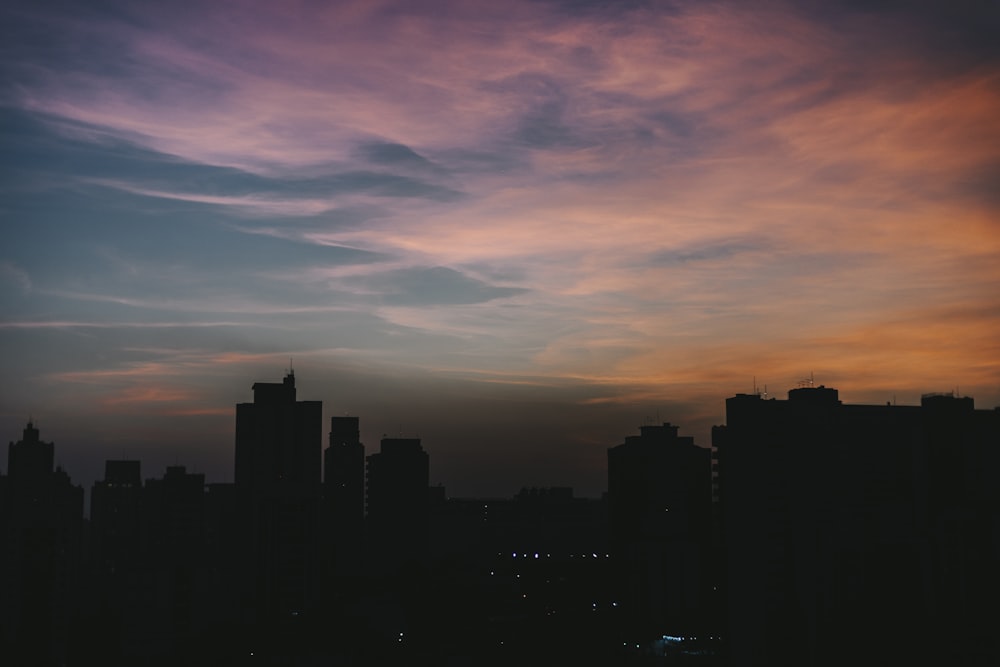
518, 230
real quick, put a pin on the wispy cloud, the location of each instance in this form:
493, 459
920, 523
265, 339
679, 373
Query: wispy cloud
55, 324
10, 272
643, 199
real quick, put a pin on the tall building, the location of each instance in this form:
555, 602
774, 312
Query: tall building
174, 526
119, 584
398, 490
278, 441
115, 516
861, 533
277, 482
659, 509
30, 460
41, 515
344, 496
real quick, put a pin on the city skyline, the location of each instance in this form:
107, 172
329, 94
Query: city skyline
514, 232
501, 487
812, 519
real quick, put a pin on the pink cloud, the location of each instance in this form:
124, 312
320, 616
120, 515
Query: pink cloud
846, 158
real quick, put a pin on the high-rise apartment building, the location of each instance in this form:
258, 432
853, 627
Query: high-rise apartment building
344, 496
278, 441
41, 515
398, 482
277, 480
859, 532
659, 509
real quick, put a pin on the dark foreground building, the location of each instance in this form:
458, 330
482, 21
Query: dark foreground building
277, 482
660, 508
397, 491
860, 534
344, 498
41, 515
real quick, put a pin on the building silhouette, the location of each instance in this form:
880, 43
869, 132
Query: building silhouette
344, 497
41, 514
277, 483
397, 502
826, 533
859, 533
660, 508
174, 550
115, 516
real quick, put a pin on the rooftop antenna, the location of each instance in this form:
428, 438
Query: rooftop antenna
765, 392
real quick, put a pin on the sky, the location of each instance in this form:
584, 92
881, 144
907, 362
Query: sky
517, 230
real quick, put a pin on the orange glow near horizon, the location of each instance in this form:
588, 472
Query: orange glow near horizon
611, 208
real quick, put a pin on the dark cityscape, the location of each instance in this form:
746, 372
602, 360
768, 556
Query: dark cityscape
810, 532
377, 332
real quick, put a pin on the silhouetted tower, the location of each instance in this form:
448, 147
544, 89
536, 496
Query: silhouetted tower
116, 523
174, 527
398, 483
344, 495
30, 460
278, 441
115, 516
40, 519
659, 505
278, 466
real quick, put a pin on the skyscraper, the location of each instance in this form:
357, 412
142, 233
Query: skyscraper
278, 442
278, 466
174, 518
659, 505
115, 516
41, 513
344, 495
398, 483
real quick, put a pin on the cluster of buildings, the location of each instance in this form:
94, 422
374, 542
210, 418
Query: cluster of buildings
810, 533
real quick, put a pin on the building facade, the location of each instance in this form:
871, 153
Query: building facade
278, 486
859, 532
344, 497
659, 509
41, 514
398, 481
